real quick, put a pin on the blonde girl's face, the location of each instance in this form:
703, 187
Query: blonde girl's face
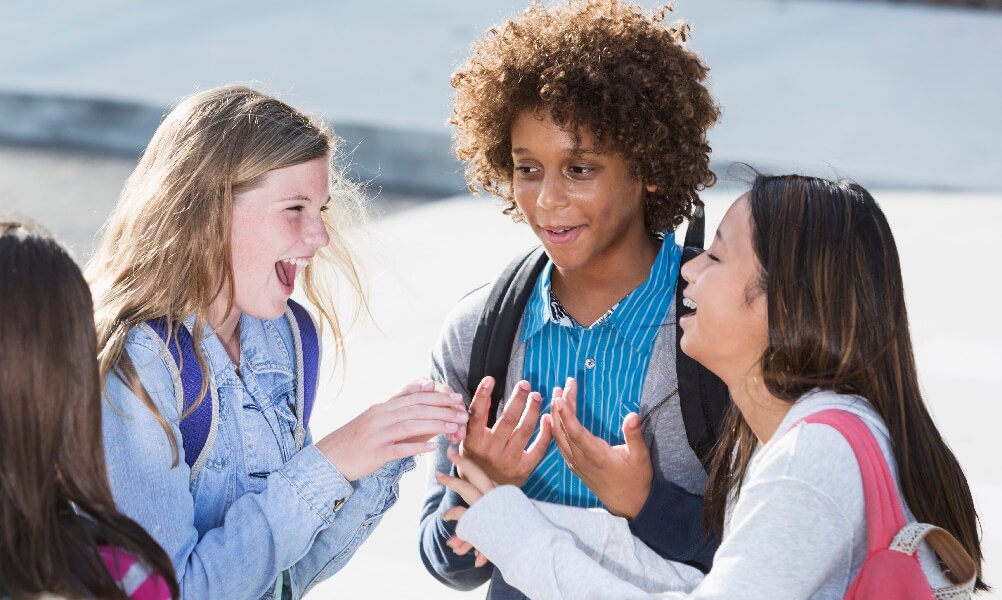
728, 331
277, 229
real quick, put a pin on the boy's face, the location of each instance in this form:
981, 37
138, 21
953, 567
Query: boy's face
586, 208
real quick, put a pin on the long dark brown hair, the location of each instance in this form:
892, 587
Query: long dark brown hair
837, 321
56, 506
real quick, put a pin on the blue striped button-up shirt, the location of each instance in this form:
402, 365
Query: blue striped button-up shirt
609, 359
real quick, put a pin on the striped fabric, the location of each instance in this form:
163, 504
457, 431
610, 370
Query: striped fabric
609, 359
132, 577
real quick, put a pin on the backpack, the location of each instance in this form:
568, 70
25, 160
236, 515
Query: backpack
703, 397
891, 569
198, 427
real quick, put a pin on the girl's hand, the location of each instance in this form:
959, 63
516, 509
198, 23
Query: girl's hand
471, 487
402, 426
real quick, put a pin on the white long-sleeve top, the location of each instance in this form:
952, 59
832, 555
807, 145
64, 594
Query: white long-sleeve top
797, 529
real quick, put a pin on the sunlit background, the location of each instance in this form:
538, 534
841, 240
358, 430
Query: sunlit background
903, 97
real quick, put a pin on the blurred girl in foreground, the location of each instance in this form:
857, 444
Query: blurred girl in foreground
59, 529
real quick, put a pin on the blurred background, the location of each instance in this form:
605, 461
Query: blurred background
904, 97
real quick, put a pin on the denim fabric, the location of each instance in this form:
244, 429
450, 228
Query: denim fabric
260, 505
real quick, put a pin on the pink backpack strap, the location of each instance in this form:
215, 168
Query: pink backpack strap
884, 515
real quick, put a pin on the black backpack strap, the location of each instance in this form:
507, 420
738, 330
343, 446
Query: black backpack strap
695, 233
498, 324
703, 397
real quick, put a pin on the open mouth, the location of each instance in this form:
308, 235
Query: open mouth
286, 270
560, 235
690, 304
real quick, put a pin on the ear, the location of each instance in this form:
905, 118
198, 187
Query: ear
650, 187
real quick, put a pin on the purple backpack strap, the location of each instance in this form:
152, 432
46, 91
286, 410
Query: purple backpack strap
195, 425
308, 342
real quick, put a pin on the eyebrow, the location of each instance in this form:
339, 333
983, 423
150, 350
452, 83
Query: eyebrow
574, 151
717, 235
302, 198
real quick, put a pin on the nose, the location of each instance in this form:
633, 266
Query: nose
693, 267
315, 233
551, 194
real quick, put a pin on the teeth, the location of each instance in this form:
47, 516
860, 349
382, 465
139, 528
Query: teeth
688, 303
299, 262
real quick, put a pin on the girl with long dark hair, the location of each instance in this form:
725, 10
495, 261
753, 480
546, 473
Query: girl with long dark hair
59, 529
798, 306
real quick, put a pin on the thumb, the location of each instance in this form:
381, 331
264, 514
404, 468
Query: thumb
635, 443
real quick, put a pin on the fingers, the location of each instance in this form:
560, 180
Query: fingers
427, 412
430, 398
454, 514
422, 384
480, 405
527, 424
471, 471
512, 413
466, 490
459, 546
418, 430
535, 452
634, 436
560, 431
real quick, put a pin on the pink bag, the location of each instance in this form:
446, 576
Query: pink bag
891, 569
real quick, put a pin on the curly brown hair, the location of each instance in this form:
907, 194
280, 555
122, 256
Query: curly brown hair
601, 65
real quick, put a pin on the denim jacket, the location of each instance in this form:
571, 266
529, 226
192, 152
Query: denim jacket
261, 510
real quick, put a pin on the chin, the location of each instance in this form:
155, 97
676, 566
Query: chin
690, 348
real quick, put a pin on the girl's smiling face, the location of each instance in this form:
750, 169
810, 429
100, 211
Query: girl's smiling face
277, 228
728, 332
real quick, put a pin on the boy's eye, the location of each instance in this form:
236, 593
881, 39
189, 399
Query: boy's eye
325, 207
712, 257
580, 170
298, 208
525, 169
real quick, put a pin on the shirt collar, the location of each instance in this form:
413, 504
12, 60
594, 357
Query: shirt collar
636, 317
254, 352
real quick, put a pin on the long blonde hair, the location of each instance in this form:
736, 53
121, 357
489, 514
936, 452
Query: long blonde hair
165, 249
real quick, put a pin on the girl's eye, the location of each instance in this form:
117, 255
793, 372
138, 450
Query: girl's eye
580, 170
296, 208
525, 169
712, 257
324, 208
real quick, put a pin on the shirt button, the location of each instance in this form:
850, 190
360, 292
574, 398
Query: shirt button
338, 504
589, 363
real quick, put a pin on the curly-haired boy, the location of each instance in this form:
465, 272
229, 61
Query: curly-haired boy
589, 120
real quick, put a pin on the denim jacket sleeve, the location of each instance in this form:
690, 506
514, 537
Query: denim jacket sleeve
262, 534
373, 495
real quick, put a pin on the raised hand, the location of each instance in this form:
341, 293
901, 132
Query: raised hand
620, 475
500, 450
401, 426
474, 484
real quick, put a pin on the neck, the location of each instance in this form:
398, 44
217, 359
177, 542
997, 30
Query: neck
227, 330
761, 410
600, 285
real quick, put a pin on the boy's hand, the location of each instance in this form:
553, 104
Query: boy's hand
500, 451
620, 475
